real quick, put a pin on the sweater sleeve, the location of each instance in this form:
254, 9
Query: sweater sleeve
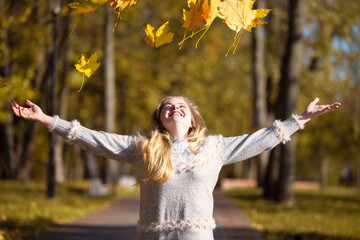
109, 145
236, 149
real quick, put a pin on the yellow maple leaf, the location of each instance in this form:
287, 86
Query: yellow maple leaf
156, 38
86, 6
87, 66
238, 15
210, 11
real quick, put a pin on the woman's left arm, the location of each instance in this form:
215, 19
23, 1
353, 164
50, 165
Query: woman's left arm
235, 149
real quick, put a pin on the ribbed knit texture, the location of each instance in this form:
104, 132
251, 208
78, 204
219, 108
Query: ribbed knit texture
182, 208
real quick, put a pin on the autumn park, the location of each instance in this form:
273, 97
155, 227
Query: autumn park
251, 67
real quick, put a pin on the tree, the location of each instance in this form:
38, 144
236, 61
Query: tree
259, 91
286, 104
112, 168
51, 175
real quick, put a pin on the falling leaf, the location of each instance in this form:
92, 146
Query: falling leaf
208, 12
87, 66
192, 18
86, 6
156, 38
121, 6
238, 15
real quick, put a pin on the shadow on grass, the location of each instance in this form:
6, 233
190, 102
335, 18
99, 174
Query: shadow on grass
83, 232
301, 236
16, 229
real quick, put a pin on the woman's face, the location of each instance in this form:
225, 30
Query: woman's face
176, 115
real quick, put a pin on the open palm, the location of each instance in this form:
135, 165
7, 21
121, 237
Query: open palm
313, 110
33, 112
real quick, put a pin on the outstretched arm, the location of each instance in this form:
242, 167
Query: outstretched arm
109, 145
313, 110
33, 113
239, 148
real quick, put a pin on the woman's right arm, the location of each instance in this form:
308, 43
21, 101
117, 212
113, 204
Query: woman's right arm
114, 146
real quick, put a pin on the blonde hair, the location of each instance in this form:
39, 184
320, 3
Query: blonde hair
156, 149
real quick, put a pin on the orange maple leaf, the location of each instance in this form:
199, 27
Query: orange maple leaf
192, 18
121, 5
208, 13
86, 6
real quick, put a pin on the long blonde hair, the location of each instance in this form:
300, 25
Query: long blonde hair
156, 149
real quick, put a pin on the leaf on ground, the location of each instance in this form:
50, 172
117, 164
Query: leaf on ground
156, 38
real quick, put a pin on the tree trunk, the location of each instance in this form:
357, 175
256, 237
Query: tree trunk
51, 176
259, 91
112, 167
7, 151
288, 94
65, 44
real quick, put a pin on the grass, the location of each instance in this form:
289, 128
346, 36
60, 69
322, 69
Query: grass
330, 214
25, 211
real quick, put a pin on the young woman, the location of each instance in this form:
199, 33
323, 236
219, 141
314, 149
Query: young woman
177, 165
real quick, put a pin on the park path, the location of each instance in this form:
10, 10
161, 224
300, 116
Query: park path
118, 222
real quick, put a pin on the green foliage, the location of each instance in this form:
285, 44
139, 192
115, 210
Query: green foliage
331, 214
25, 212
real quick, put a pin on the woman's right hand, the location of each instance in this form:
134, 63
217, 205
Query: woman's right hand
33, 112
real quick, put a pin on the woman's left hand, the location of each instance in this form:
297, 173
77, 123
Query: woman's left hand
313, 110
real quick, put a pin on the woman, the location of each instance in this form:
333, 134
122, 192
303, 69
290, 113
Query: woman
177, 166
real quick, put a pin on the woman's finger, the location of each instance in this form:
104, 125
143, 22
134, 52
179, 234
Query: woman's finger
29, 103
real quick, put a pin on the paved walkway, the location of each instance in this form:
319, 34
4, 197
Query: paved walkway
118, 222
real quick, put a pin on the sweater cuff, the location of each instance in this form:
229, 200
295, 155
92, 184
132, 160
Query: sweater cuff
281, 131
54, 123
296, 117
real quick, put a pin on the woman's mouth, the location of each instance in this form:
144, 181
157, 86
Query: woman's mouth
176, 112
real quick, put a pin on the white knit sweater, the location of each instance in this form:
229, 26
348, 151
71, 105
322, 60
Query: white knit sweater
182, 208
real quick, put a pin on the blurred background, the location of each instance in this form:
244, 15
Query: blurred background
307, 49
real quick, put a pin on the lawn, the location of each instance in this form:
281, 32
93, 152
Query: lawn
330, 214
25, 212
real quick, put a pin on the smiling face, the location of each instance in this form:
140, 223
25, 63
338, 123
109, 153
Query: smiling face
176, 116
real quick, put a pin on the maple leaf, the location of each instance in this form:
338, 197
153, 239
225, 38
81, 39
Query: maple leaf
192, 18
121, 5
156, 38
87, 66
210, 11
86, 6
238, 15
